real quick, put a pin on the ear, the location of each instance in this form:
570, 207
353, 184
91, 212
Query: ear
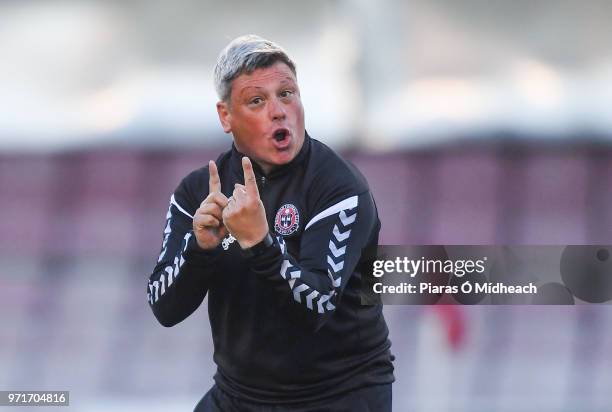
225, 117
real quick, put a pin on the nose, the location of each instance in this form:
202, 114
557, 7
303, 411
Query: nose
277, 110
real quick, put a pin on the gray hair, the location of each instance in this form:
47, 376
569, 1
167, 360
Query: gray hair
244, 55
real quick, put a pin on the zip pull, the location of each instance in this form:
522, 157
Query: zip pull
262, 182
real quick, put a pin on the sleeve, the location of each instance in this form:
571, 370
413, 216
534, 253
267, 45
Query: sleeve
330, 249
179, 282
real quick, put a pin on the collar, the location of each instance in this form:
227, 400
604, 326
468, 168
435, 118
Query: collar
236, 163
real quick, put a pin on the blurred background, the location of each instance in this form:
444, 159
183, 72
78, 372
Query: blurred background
475, 122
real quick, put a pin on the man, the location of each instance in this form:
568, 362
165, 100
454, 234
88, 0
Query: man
276, 232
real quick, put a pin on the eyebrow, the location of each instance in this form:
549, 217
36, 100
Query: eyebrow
283, 82
247, 89
288, 80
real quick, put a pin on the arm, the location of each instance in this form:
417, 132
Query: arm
330, 250
180, 279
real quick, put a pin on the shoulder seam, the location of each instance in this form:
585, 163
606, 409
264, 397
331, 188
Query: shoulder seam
175, 203
345, 204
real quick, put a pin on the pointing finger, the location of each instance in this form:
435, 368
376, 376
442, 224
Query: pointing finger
214, 183
249, 178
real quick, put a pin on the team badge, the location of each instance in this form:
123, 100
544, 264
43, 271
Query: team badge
287, 220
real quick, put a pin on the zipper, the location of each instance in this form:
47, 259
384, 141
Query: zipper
261, 184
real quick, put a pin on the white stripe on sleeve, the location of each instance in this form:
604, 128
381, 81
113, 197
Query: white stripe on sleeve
348, 203
175, 203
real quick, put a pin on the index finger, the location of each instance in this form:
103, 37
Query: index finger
214, 183
249, 178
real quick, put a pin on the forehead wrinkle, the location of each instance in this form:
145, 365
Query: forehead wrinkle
277, 69
243, 83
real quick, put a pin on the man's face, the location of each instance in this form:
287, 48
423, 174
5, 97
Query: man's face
265, 115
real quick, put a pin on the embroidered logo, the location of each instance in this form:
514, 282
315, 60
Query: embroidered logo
227, 241
287, 220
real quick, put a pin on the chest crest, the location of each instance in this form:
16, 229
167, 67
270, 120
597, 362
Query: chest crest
287, 220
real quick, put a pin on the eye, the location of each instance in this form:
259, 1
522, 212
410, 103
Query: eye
286, 93
255, 101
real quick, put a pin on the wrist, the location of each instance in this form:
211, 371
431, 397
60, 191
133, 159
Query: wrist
206, 246
197, 255
259, 247
248, 243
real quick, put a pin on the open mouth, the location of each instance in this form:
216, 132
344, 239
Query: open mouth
281, 134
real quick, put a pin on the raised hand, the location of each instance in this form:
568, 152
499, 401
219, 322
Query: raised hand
208, 219
245, 216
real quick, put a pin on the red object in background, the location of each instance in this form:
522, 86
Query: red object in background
454, 320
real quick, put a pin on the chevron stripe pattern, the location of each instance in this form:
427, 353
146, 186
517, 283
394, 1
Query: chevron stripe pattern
158, 287
304, 294
337, 246
166, 232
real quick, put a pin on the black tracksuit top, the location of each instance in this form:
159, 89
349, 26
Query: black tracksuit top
287, 324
